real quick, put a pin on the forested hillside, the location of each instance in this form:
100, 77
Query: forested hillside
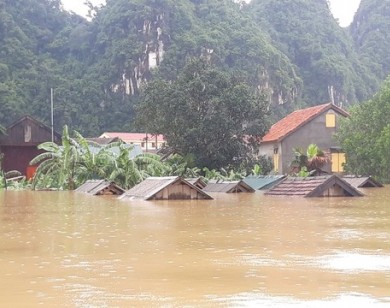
324, 53
292, 51
370, 31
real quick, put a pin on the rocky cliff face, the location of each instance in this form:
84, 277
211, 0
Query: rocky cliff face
292, 51
323, 52
174, 32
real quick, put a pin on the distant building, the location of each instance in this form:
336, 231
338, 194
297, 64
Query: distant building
299, 129
20, 141
148, 142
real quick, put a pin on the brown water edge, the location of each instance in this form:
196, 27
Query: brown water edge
72, 250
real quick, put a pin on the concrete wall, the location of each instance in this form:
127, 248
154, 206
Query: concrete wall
315, 132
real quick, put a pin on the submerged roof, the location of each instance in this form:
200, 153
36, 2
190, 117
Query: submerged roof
362, 181
198, 182
258, 182
296, 119
228, 187
100, 187
150, 187
316, 186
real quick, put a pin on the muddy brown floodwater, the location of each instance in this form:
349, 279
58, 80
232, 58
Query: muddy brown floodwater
67, 249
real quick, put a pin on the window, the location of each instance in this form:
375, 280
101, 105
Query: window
142, 144
153, 145
276, 160
330, 120
338, 161
27, 133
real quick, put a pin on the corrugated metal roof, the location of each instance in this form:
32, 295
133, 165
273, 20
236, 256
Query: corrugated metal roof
198, 182
312, 186
228, 187
258, 182
148, 188
296, 119
97, 187
362, 181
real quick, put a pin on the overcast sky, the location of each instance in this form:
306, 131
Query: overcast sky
343, 10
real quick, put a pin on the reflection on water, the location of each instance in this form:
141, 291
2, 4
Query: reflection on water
69, 249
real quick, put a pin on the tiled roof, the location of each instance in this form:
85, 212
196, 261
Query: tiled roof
295, 120
317, 186
132, 137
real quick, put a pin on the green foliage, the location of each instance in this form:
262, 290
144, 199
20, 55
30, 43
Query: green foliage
223, 174
303, 172
206, 113
181, 166
324, 53
11, 179
291, 51
59, 163
257, 170
76, 160
364, 136
369, 31
309, 162
257, 165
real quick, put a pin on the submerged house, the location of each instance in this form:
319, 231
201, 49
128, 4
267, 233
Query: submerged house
100, 187
262, 182
316, 186
165, 188
301, 128
198, 182
20, 141
362, 181
228, 187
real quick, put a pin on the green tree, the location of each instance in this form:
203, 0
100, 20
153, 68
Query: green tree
58, 164
76, 160
364, 136
205, 113
309, 162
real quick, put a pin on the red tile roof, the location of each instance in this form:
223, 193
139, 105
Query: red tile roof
296, 119
132, 137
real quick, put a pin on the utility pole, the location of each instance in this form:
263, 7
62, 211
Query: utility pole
52, 117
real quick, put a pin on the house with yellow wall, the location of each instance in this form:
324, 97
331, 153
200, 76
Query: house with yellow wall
301, 128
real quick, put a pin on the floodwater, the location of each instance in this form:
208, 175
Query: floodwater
67, 249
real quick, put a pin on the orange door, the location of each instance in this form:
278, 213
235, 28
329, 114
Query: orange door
30, 171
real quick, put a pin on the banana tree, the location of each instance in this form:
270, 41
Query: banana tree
58, 164
310, 161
